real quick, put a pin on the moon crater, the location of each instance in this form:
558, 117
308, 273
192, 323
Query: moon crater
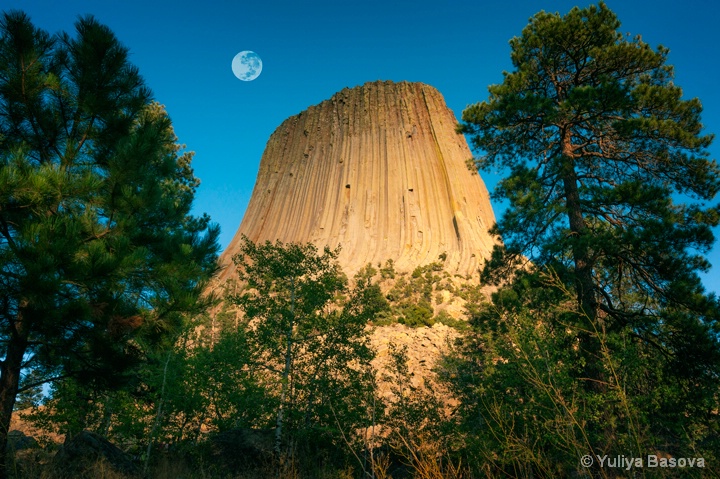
247, 65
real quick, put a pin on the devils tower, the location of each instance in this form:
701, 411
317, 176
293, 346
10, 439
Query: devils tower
379, 170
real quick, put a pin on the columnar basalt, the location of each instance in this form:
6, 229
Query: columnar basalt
379, 170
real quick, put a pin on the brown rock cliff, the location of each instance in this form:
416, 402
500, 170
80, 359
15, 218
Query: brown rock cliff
379, 170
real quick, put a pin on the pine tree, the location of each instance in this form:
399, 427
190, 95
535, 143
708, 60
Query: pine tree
99, 254
610, 189
609, 176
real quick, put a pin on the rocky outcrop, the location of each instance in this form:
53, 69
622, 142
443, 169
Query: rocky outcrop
379, 170
18, 440
81, 453
238, 449
423, 347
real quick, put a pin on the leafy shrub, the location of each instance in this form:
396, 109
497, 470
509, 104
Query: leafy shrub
416, 314
388, 271
443, 317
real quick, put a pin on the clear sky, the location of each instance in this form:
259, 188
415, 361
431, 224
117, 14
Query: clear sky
312, 49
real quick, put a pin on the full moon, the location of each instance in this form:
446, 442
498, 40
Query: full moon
247, 65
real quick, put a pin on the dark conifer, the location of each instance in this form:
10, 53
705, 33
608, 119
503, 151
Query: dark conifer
99, 254
609, 176
610, 190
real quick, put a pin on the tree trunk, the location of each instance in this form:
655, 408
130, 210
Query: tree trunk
584, 284
286, 374
590, 321
9, 383
158, 415
283, 394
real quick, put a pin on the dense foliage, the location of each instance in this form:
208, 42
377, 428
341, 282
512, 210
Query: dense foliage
99, 255
310, 333
598, 340
609, 187
601, 149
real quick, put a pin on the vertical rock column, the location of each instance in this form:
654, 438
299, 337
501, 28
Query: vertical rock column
379, 170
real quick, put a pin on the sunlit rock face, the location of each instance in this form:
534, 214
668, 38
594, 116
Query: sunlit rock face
379, 170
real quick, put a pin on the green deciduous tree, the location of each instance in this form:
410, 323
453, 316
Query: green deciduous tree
308, 330
99, 255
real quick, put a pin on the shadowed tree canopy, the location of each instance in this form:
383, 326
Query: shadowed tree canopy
609, 179
610, 190
99, 255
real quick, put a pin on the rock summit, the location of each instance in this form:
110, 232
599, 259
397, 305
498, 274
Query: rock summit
380, 170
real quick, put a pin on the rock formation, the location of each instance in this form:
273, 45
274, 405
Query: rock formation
378, 169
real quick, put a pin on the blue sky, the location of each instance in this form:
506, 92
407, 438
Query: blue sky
311, 49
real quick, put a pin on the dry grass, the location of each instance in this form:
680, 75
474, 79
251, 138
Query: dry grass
423, 458
31, 465
428, 460
424, 466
